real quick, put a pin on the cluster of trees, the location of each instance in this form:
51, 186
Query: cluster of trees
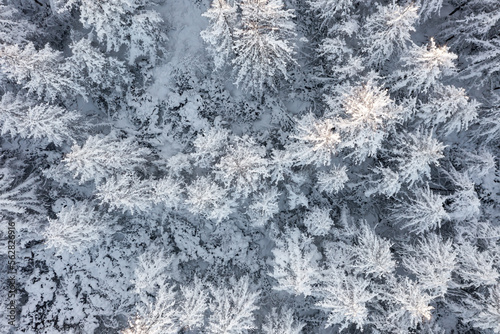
305, 166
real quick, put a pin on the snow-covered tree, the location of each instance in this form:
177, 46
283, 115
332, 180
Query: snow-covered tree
424, 66
417, 152
388, 31
14, 28
126, 192
373, 254
94, 70
328, 10
317, 140
39, 71
428, 8
209, 145
77, 227
476, 268
341, 58
485, 65
116, 23
156, 316
318, 221
295, 264
151, 271
243, 166
333, 180
232, 307
451, 107
421, 213
219, 33
281, 322
108, 19
205, 197
262, 45
370, 115
17, 196
39, 122
264, 206
167, 191
479, 163
103, 156
465, 204
389, 184
146, 37
191, 311
432, 261
489, 317
414, 304
345, 301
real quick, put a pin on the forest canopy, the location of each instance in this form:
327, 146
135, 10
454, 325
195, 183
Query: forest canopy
249, 166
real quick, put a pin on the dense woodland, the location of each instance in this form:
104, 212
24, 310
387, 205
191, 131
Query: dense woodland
251, 166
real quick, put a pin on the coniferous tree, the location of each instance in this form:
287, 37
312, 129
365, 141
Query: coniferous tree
262, 48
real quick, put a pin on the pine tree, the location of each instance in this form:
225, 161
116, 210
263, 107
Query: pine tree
389, 184
373, 254
243, 167
17, 195
328, 10
193, 306
205, 197
96, 71
126, 192
14, 28
428, 8
450, 108
39, 122
156, 316
413, 304
422, 213
318, 221
77, 227
388, 31
464, 203
333, 180
317, 140
370, 115
345, 301
264, 206
281, 322
424, 66
39, 71
295, 264
417, 152
432, 261
146, 37
103, 156
262, 46
232, 307
219, 34
109, 20
475, 267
